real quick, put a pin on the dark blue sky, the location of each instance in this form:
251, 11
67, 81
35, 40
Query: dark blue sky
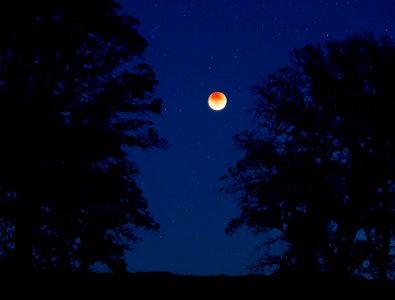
197, 47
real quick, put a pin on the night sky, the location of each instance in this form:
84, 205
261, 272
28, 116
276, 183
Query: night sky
198, 47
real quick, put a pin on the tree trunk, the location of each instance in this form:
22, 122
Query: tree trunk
64, 263
384, 257
384, 253
23, 235
344, 247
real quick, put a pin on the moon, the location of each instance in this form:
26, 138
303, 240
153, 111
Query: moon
217, 101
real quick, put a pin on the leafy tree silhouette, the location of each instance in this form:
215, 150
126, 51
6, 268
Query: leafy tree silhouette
74, 94
319, 165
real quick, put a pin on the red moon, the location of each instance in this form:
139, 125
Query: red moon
217, 101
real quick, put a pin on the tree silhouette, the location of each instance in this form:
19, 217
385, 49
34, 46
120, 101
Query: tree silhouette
319, 165
74, 94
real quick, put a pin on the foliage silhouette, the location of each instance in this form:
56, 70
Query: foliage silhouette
74, 94
319, 165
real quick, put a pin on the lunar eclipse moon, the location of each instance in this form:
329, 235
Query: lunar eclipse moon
217, 101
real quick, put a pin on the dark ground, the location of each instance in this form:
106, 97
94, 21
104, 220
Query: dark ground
139, 285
